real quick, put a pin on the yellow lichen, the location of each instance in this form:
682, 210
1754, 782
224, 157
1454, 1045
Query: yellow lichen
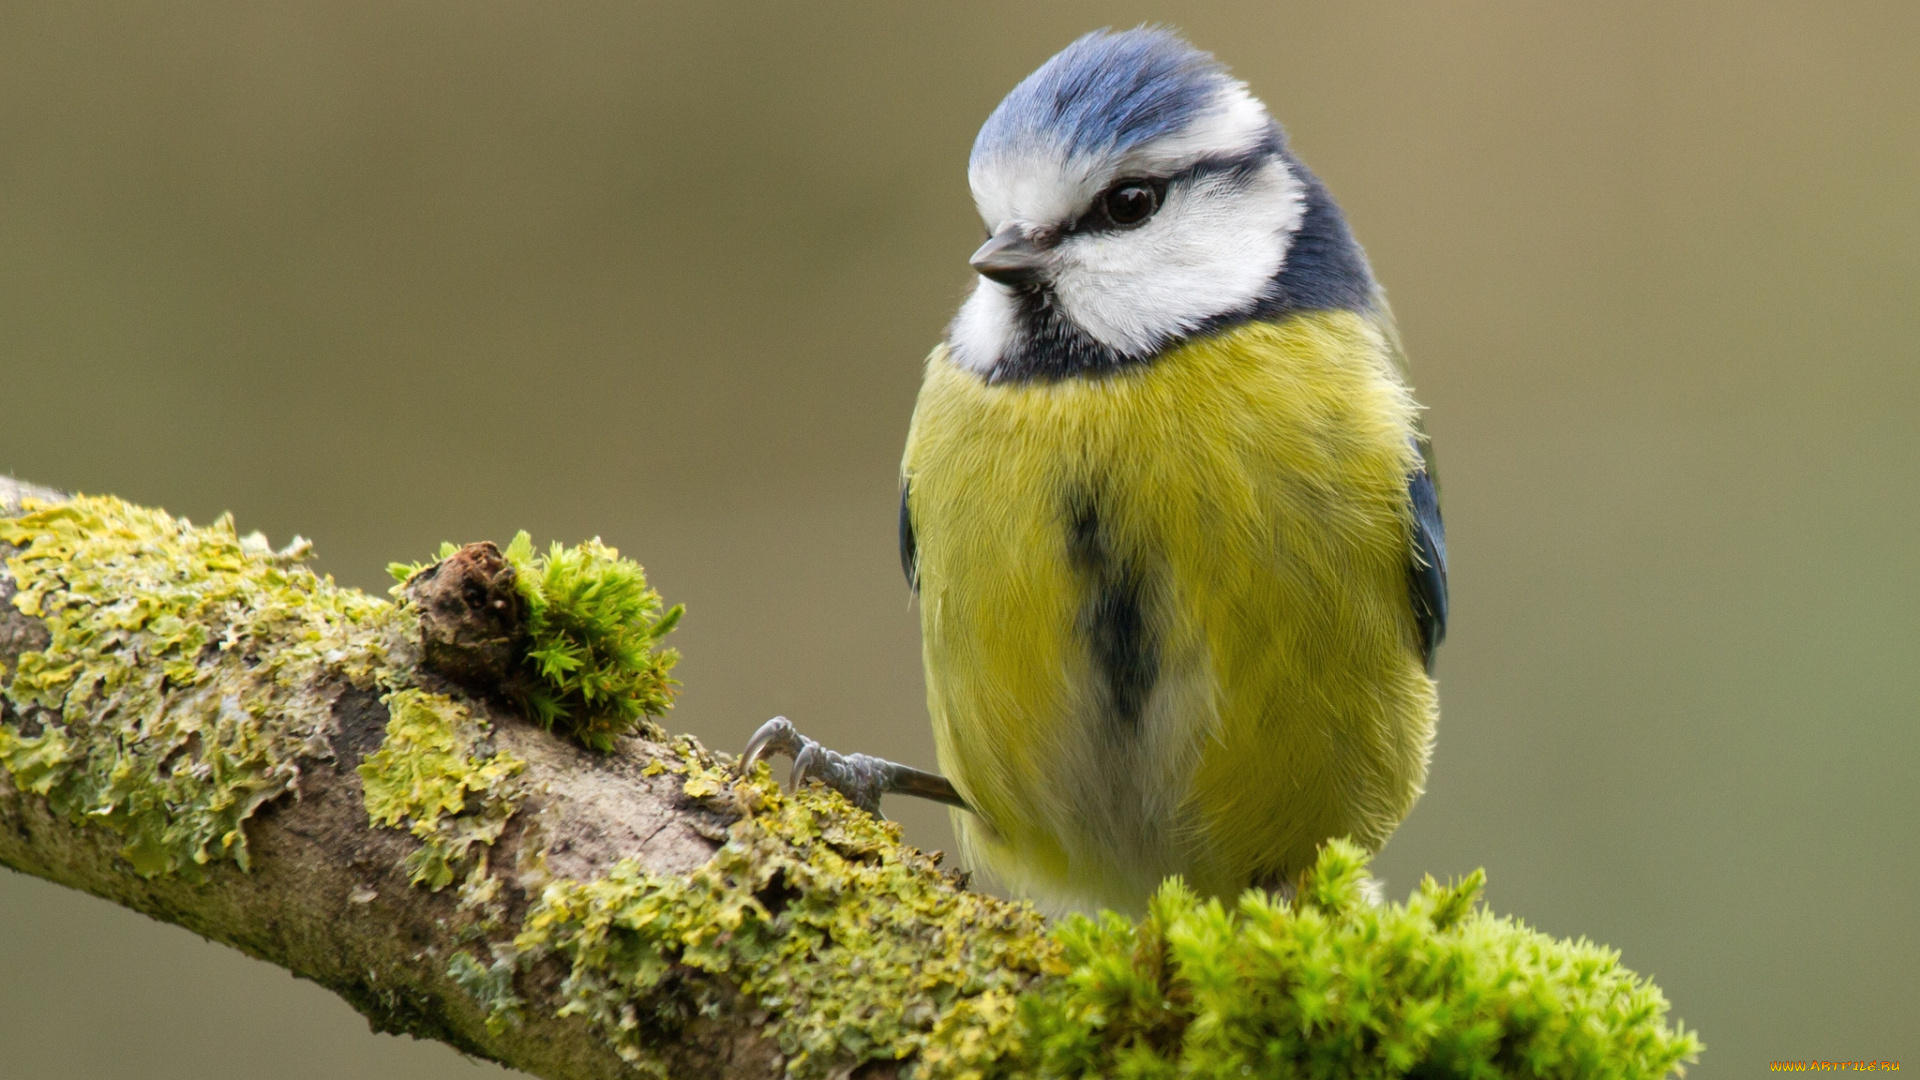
34, 761
174, 697
434, 775
855, 944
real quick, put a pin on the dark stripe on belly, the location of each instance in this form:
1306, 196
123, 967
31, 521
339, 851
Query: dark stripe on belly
1113, 618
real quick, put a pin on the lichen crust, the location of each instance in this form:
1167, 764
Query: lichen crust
854, 945
437, 774
171, 701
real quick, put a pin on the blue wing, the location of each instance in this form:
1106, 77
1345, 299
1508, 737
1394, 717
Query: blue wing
1427, 571
909, 548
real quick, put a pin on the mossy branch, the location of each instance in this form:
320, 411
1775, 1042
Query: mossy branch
393, 800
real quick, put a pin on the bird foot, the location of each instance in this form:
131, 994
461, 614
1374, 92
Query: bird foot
862, 778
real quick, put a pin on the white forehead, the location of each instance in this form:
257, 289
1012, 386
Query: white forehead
1045, 182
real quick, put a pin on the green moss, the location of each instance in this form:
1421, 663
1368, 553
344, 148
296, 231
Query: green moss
1335, 986
592, 668
436, 774
169, 701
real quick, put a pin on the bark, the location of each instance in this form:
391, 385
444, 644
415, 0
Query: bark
336, 897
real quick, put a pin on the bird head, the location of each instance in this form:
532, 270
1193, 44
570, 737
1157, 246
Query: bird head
1134, 194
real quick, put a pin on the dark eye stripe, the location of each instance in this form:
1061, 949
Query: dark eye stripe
1235, 168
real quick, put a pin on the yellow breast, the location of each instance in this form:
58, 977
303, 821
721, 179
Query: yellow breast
1166, 612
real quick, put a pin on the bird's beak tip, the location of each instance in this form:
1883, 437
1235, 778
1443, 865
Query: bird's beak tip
1009, 258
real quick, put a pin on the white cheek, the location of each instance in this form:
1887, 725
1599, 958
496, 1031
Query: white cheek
1211, 250
983, 329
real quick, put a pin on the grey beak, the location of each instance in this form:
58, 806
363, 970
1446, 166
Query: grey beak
1009, 258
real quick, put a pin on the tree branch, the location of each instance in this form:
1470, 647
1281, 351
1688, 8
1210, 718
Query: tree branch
332, 896
198, 728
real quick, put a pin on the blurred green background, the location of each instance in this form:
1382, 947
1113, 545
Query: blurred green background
387, 273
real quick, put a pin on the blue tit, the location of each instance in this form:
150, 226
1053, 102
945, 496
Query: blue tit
1165, 502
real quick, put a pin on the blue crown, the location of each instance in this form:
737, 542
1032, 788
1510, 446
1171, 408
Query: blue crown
1104, 94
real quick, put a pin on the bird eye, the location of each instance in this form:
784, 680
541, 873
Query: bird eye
1130, 202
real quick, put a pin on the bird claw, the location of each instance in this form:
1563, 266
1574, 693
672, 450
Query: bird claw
813, 758
778, 736
861, 778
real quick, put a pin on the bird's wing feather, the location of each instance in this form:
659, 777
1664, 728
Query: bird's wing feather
909, 548
1427, 569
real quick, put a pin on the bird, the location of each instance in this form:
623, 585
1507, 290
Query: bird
1167, 504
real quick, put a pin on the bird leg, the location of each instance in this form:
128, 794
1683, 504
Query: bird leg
859, 777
